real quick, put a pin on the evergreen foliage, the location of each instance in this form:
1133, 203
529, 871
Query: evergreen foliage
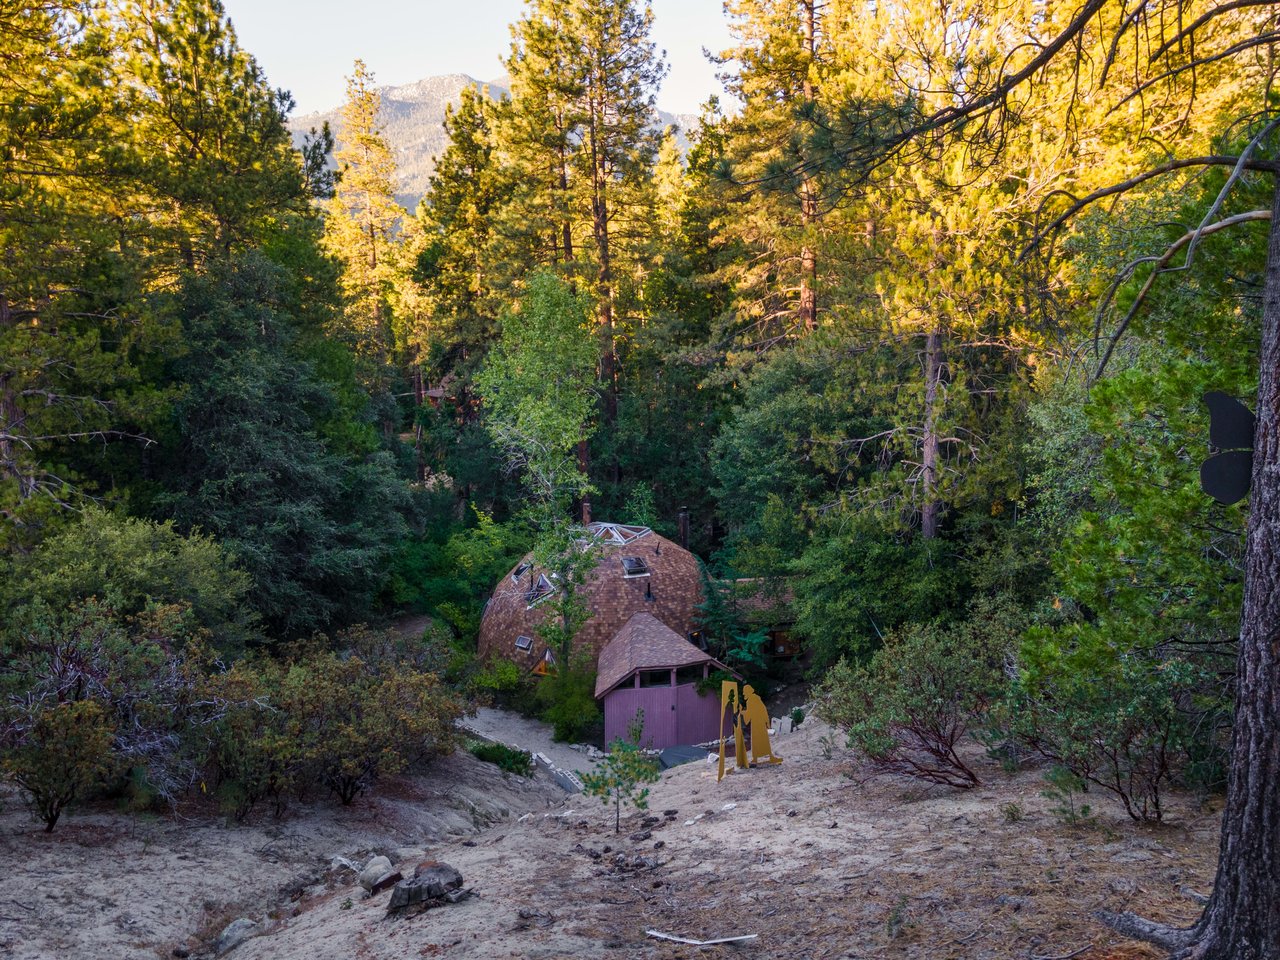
620, 777
873, 327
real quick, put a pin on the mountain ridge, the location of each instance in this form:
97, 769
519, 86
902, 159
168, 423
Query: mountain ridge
412, 119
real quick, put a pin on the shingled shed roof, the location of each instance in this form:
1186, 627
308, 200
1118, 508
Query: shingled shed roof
637, 571
645, 643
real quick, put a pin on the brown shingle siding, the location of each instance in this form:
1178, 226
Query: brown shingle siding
670, 593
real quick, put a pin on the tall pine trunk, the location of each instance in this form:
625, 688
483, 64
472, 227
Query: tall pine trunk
808, 313
11, 417
929, 509
604, 258
1242, 918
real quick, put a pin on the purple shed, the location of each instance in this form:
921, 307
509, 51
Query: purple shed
648, 666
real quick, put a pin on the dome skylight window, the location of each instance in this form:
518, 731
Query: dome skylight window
634, 567
617, 532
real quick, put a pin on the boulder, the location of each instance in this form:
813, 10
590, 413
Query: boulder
431, 880
373, 871
234, 934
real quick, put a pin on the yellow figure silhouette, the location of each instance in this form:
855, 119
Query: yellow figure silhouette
747, 711
757, 718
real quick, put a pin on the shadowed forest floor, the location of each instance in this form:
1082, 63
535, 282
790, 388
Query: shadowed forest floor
809, 855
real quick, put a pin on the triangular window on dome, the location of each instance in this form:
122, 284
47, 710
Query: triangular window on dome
538, 590
521, 570
547, 665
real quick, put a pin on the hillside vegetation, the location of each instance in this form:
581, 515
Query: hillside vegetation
919, 335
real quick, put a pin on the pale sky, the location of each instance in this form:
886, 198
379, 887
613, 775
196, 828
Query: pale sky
309, 48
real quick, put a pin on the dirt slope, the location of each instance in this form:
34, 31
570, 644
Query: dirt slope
814, 861
110, 886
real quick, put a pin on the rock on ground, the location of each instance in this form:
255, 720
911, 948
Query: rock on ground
236, 932
373, 871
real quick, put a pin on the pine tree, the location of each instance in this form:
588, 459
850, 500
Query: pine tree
138, 142
779, 56
454, 262
620, 73
360, 226
214, 160
584, 77
537, 130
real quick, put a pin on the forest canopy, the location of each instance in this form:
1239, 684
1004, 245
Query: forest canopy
916, 321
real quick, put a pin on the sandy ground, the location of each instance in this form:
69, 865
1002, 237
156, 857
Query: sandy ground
809, 855
107, 885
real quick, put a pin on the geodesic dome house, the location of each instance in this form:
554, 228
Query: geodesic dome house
638, 571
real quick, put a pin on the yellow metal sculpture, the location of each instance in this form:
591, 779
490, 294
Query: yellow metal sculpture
748, 712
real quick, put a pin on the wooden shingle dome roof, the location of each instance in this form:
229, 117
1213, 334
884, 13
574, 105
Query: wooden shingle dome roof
637, 571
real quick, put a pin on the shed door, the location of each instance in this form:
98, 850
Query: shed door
659, 706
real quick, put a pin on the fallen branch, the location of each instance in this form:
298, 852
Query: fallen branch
699, 943
1064, 956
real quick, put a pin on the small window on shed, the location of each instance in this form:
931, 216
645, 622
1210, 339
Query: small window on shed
691, 674
524, 643
634, 567
655, 678
539, 590
521, 570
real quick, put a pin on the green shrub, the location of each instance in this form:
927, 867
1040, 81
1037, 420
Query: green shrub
519, 762
619, 777
508, 685
141, 672
569, 704
1131, 728
910, 707
65, 752
316, 718
129, 565
450, 572
1064, 786
856, 584
253, 755
355, 726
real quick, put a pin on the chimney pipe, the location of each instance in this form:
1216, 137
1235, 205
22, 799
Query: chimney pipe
684, 527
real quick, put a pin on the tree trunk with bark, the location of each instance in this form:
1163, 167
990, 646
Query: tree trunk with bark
1242, 918
929, 509
808, 312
